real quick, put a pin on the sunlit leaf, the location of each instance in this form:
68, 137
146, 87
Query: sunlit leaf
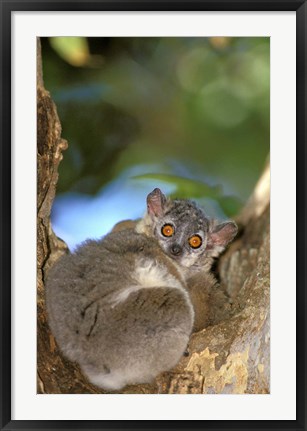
74, 50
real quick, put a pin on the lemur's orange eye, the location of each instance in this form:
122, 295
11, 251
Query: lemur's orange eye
195, 241
168, 230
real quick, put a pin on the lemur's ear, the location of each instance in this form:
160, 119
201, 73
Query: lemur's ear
155, 202
220, 235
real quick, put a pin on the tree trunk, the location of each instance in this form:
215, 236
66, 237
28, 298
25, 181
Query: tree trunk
230, 357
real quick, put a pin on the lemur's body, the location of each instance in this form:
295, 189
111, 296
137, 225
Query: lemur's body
124, 307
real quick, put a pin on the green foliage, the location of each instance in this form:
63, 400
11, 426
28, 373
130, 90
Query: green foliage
186, 188
195, 108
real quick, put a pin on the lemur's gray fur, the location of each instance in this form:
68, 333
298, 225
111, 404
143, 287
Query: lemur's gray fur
124, 307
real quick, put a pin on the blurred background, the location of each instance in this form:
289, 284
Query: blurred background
188, 115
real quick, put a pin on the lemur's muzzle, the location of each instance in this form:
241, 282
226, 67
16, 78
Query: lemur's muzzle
176, 249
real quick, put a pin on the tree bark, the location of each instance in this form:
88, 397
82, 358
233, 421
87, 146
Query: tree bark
229, 357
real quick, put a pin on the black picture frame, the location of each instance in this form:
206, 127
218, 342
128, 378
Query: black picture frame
7, 7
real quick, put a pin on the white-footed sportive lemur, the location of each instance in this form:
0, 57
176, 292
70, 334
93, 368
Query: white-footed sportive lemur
123, 307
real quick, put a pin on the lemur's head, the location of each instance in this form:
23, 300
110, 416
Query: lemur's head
183, 230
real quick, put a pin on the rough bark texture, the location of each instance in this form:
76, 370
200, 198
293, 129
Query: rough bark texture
231, 357
54, 373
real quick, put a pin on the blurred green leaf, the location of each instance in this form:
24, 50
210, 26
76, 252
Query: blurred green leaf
185, 187
74, 50
188, 189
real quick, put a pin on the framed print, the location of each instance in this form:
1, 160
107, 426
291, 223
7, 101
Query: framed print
153, 215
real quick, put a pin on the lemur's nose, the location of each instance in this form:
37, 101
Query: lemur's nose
176, 249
